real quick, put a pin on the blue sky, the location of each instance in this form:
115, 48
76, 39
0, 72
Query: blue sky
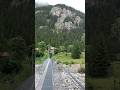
77, 4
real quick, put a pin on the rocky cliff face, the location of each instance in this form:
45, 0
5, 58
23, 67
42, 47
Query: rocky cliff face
67, 19
62, 17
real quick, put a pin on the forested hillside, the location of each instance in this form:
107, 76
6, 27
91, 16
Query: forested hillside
59, 25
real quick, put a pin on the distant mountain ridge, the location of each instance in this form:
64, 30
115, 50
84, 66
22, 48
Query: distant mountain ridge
61, 16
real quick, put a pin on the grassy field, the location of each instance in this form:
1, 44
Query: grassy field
67, 59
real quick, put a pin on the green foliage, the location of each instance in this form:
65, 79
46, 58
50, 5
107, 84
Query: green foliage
56, 51
59, 39
42, 46
101, 59
76, 51
9, 66
69, 48
16, 35
82, 43
18, 47
39, 54
55, 37
62, 58
40, 60
61, 48
102, 40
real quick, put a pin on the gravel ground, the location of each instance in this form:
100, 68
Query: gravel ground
62, 80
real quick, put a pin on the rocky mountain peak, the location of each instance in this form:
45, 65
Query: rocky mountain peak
67, 19
60, 17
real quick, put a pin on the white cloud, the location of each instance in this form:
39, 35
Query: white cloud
77, 4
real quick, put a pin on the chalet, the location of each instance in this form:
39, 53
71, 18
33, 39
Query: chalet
51, 50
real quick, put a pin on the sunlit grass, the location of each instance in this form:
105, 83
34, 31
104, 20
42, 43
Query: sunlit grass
67, 59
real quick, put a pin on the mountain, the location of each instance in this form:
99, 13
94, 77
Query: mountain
61, 23
60, 16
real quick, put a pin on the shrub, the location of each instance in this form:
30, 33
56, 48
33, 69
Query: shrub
75, 52
56, 51
39, 54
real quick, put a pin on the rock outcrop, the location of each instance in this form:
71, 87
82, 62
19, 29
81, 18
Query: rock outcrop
67, 19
